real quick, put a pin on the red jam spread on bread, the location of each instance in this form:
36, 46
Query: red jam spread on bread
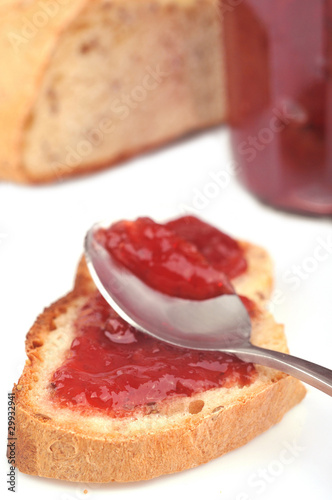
115, 368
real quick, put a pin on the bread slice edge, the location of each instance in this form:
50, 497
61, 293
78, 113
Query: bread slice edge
180, 434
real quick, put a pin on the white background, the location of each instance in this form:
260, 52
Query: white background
41, 235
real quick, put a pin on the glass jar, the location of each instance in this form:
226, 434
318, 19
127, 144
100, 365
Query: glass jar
279, 69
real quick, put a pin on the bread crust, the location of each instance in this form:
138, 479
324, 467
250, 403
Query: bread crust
179, 437
47, 450
25, 59
28, 59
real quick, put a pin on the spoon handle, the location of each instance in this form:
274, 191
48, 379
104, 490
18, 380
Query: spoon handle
308, 372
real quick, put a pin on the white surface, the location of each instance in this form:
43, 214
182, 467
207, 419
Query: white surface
41, 235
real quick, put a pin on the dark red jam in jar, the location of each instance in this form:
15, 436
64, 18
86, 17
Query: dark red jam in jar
279, 68
114, 368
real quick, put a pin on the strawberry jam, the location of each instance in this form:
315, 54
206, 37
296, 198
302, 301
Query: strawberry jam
163, 259
219, 249
114, 368
279, 69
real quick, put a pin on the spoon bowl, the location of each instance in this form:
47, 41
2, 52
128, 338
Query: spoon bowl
186, 323
221, 323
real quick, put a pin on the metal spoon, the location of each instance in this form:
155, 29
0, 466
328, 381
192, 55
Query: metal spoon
220, 323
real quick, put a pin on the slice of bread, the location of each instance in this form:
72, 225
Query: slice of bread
88, 83
178, 433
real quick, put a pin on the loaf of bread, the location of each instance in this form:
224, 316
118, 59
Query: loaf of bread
87, 83
178, 433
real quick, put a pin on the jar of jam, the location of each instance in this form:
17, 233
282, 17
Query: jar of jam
279, 69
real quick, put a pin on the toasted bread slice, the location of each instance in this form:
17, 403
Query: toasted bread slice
179, 433
100, 81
